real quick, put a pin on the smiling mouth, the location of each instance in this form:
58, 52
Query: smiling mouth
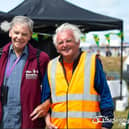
66, 50
18, 42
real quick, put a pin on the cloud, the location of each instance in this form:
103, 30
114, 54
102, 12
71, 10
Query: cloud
127, 27
108, 3
7, 5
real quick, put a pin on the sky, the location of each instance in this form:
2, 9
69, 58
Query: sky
113, 8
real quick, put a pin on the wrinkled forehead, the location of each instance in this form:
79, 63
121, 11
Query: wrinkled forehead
22, 25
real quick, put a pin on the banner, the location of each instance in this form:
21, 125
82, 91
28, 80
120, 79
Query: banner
96, 38
35, 36
83, 38
120, 35
107, 36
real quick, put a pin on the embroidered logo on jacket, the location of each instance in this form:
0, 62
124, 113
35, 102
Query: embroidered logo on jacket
32, 74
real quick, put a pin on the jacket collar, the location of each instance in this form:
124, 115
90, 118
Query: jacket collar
31, 50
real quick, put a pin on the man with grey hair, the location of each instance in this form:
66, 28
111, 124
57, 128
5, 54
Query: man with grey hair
77, 85
20, 80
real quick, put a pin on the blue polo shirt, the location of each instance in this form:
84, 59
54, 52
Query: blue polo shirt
12, 110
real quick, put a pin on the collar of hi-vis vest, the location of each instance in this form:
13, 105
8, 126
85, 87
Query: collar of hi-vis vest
74, 63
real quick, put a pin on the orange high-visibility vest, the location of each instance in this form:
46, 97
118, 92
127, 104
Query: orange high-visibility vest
74, 105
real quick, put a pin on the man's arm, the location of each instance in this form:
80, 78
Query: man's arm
106, 102
43, 108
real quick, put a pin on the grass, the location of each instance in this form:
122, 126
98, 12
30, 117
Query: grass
120, 119
111, 64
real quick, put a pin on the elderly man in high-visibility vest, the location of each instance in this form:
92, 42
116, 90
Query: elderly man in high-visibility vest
76, 83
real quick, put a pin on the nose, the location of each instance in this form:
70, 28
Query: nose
19, 36
64, 44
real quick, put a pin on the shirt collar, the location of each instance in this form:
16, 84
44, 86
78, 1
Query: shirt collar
75, 61
25, 51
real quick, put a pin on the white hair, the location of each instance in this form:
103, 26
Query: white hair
67, 26
5, 26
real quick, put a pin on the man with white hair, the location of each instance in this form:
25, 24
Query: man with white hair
77, 84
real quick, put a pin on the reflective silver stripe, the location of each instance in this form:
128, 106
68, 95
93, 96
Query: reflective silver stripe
75, 114
86, 95
52, 77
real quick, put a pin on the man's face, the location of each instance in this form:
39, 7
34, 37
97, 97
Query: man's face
20, 35
66, 44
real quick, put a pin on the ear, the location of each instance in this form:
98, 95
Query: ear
78, 43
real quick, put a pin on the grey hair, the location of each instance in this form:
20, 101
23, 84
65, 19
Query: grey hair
67, 26
23, 20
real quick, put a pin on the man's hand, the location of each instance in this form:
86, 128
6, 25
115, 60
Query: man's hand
41, 110
48, 122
